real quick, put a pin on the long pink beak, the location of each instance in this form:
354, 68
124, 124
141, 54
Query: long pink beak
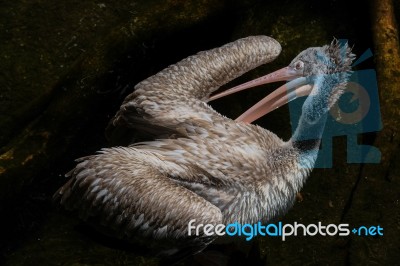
297, 87
281, 96
282, 74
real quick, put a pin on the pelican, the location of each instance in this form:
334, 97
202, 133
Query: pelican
201, 165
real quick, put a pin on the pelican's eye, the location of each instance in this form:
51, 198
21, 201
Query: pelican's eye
299, 65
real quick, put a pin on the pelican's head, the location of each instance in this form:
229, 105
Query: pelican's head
328, 59
321, 73
316, 71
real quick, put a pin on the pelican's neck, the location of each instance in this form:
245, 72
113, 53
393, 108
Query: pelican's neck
309, 131
307, 139
308, 135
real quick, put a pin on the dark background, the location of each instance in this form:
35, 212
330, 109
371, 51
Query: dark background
66, 66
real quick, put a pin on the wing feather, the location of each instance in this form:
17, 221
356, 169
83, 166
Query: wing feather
178, 93
120, 189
